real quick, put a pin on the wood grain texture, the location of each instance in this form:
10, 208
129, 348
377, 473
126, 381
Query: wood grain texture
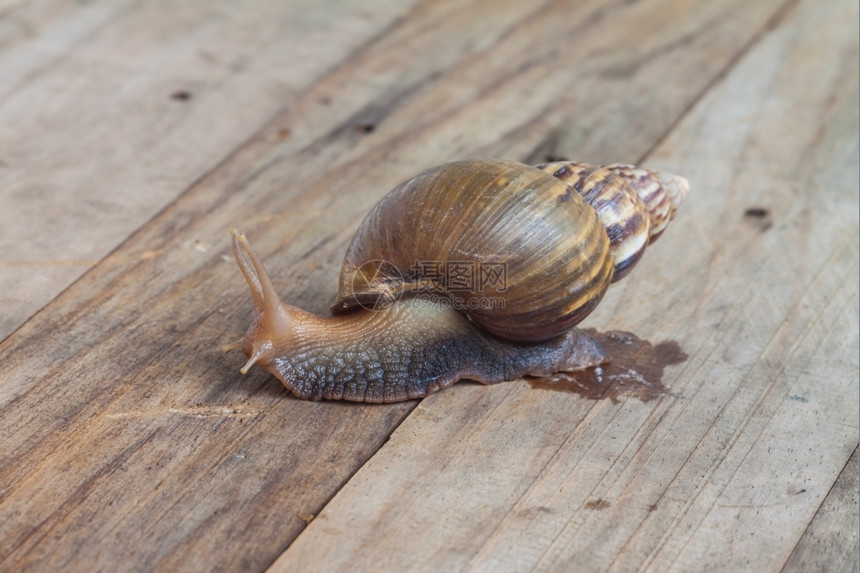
128, 441
727, 471
110, 110
830, 542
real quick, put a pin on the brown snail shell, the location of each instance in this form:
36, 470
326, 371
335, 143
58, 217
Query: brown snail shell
403, 325
478, 213
545, 232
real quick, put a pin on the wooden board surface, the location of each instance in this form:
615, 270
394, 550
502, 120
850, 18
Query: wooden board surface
128, 441
111, 110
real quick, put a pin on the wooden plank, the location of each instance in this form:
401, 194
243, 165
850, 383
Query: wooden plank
126, 437
757, 283
111, 109
830, 541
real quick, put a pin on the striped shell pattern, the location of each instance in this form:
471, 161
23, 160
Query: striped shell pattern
551, 238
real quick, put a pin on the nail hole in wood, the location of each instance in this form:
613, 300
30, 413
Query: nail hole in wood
756, 212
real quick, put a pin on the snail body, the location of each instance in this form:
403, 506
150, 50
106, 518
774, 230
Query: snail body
473, 269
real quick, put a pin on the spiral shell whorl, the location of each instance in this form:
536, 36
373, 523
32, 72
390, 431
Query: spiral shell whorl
661, 192
634, 204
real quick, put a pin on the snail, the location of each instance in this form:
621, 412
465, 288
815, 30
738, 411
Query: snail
474, 269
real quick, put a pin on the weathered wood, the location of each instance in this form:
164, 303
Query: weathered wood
756, 280
110, 110
830, 541
128, 441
